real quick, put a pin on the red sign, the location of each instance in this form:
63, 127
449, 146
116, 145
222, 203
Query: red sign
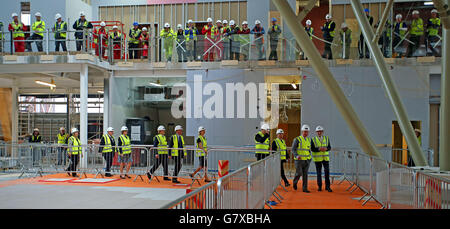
158, 2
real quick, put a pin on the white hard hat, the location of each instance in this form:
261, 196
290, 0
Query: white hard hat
123, 128
245, 23
102, 23
343, 25
225, 22
82, 14
415, 12
190, 21
232, 22
308, 22
37, 14
280, 131
218, 21
319, 128
109, 129
398, 16
209, 20
62, 128
434, 11
201, 128
74, 130
161, 128
178, 128
143, 28
167, 25
257, 22
328, 16
116, 27
305, 128
265, 126
14, 15
36, 129
179, 26
57, 16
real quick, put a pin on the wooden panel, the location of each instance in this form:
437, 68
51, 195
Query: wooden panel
167, 16
142, 16
216, 10
226, 11
191, 12
6, 114
118, 11
434, 132
243, 11
234, 13
102, 13
127, 19
179, 14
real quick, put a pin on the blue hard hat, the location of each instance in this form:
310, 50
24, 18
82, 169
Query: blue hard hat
135, 23
274, 19
366, 10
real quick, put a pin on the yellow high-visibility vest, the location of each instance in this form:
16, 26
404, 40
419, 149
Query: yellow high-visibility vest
177, 144
281, 147
76, 147
126, 149
304, 148
262, 146
162, 144
321, 156
200, 152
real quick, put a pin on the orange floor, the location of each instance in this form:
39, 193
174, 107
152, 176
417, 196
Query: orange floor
338, 199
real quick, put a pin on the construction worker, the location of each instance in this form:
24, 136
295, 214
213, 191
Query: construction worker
320, 147
328, 34
81, 25
145, 42
1, 36
181, 44
101, 39
168, 36
162, 155
218, 47
262, 142
17, 28
416, 33
245, 40
274, 34
280, 145
191, 33
400, 29
202, 153
38, 28
124, 152
310, 31
177, 141
362, 46
226, 40
133, 41
35, 150
62, 138
259, 32
108, 149
74, 151
410, 160
235, 44
208, 31
116, 39
301, 149
433, 26
385, 38
60, 30
346, 37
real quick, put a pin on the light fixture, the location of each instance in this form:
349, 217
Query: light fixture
157, 84
428, 3
51, 84
101, 92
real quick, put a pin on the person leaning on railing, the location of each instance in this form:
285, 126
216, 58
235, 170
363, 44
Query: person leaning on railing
244, 36
301, 150
235, 43
17, 28
74, 151
108, 149
280, 145
259, 32
60, 30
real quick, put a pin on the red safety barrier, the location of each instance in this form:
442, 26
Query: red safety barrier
433, 194
223, 168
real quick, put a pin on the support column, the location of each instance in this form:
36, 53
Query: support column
105, 104
390, 87
444, 136
14, 119
84, 112
329, 82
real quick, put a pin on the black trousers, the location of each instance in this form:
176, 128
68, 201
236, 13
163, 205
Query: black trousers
273, 50
363, 49
260, 156
109, 160
301, 169
430, 40
177, 160
327, 51
283, 176
62, 44
326, 167
413, 47
74, 160
162, 159
132, 49
38, 39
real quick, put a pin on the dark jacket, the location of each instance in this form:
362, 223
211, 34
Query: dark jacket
314, 148
102, 143
78, 25
260, 139
38, 138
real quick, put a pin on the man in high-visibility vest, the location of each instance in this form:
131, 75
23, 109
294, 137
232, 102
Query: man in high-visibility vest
259, 32
38, 27
162, 153
116, 38
409, 159
362, 46
262, 142
226, 40
62, 140
202, 153
74, 150
208, 32
310, 31
433, 26
133, 41
168, 37
108, 148
235, 43
35, 150
60, 30
244, 36
346, 37
177, 141
328, 35
274, 34
125, 156
191, 33
181, 44
320, 147
279, 145
101, 39
400, 30
416, 33
81, 25
301, 150
17, 28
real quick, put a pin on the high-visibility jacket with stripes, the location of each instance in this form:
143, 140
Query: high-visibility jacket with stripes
162, 144
310, 31
108, 147
200, 152
262, 146
60, 29
304, 148
74, 145
39, 27
18, 29
433, 26
191, 34
177, 144
62, 138
126, 149
321, 156
134, 36
417, 27
281, 147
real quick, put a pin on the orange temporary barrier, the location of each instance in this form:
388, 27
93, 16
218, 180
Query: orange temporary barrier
223, 168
